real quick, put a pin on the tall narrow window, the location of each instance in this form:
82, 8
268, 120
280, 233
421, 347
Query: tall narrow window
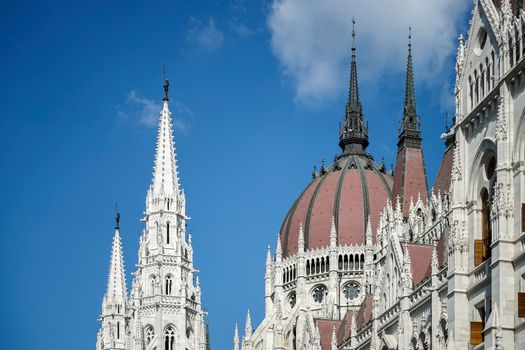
118, 330
476, 328
486, 231
169, 284
168, 233
169, 339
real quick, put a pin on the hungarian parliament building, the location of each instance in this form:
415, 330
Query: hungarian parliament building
366, 258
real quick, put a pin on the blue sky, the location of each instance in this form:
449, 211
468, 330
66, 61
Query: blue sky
257, 92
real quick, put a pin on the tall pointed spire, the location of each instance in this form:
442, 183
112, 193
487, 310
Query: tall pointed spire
165, 176
410, 124
353, 135
116, 290
410, 179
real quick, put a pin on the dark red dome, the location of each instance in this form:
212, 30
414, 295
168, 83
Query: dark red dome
349, 190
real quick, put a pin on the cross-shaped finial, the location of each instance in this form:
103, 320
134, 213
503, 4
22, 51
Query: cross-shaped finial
117, 217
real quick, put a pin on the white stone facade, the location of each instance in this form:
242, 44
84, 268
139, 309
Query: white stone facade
163, 310
395, 302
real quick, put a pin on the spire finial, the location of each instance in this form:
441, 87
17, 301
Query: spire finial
117, 217
410, 39
166, 85
353, 37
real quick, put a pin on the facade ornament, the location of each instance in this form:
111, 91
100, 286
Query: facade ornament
501, 122
501, 201
456, 165
460, 59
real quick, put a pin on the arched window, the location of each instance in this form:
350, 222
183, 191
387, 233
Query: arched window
470, 92
168, 284
482, 82
486, 231
149, 334
476, 86
152, 284
493, 75
307, 267
118, 330
169, 338
168, 232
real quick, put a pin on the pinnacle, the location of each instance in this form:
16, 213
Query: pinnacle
116, 289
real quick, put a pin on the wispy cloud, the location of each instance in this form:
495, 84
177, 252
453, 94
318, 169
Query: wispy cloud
145, 112
204, 36
312, 40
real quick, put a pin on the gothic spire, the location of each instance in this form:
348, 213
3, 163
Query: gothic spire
116, 290
165, 176
410, 124
353, 135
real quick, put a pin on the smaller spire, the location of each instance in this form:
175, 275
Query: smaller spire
268, 255
300, 243
248, 326
410, 124
236, 338
368, 238
333, 234
278, 250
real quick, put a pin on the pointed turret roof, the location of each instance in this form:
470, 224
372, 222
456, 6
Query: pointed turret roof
116, 289
353, 135
410, 127
165, 175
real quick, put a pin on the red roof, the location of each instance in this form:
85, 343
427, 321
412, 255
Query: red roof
442, 182
421, 258
350, 191
326, 328
410, 180
364, 315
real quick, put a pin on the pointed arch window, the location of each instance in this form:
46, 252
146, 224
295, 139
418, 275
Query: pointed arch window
485, 224
168, 232
149, 335
168, 284
169, 338
118, 330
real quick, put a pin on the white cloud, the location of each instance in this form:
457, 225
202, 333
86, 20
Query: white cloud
312, 40
146, 112
204, 36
